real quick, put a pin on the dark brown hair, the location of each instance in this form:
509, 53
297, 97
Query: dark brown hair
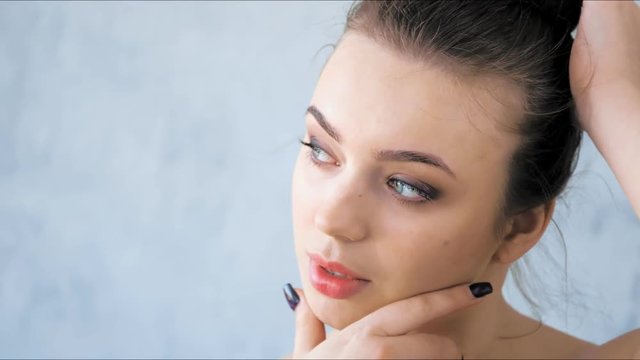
528, 41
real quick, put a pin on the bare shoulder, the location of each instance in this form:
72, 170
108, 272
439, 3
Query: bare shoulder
626, 346
542, 342
555, 343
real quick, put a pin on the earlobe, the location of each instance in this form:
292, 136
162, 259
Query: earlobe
523, 231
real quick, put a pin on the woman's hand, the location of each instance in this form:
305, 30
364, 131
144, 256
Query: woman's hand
605, 82
386, 332
606, 51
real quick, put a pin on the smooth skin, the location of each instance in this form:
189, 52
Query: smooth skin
605, 81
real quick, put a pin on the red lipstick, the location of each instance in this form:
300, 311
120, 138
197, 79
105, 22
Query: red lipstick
334, 279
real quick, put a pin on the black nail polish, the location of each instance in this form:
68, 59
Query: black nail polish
481, 289
292, 297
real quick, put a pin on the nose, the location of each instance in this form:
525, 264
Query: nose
343, 213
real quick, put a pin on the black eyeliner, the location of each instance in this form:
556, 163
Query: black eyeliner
427, 192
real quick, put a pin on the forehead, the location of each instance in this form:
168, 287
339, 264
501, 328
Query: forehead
369, 90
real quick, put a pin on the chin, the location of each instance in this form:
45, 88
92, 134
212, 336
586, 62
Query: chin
337, 314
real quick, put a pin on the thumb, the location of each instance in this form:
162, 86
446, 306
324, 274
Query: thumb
309, 329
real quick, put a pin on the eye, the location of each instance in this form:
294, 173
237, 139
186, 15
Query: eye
411, 193
320, 154
316, 153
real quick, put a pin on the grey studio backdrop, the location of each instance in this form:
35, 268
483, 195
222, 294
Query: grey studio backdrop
146, 152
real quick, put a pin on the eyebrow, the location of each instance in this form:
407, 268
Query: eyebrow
384, 155
324, 123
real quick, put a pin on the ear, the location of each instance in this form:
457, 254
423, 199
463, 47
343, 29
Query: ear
523, 231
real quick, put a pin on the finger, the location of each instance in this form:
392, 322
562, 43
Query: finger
402, 316
309, 330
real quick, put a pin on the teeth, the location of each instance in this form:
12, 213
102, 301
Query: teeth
337, 274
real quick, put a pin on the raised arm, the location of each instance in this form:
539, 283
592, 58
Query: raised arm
605, 81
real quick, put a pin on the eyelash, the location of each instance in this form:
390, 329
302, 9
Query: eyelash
428, 195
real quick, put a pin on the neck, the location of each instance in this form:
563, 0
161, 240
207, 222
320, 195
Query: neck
479, 329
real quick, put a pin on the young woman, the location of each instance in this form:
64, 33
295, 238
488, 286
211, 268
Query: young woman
438, 137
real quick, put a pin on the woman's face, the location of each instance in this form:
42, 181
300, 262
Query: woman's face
403, 179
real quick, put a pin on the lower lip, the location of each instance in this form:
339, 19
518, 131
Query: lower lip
333, 286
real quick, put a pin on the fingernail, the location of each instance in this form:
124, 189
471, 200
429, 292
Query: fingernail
292, 297
481, 289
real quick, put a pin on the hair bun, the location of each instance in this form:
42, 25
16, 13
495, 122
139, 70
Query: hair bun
560, 13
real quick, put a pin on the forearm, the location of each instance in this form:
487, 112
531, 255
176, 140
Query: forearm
613, 123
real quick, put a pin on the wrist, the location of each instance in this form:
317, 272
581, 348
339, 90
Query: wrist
604, 106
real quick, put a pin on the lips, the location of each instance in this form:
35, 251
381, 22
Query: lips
334, 279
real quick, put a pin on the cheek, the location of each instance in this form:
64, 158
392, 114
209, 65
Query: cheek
303, 195
303, 200
444, 249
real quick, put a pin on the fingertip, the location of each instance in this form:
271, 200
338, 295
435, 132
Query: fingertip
291, 295
480, 289
300, 292
302, 307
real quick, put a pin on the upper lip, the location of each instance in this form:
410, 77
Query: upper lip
335, 266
